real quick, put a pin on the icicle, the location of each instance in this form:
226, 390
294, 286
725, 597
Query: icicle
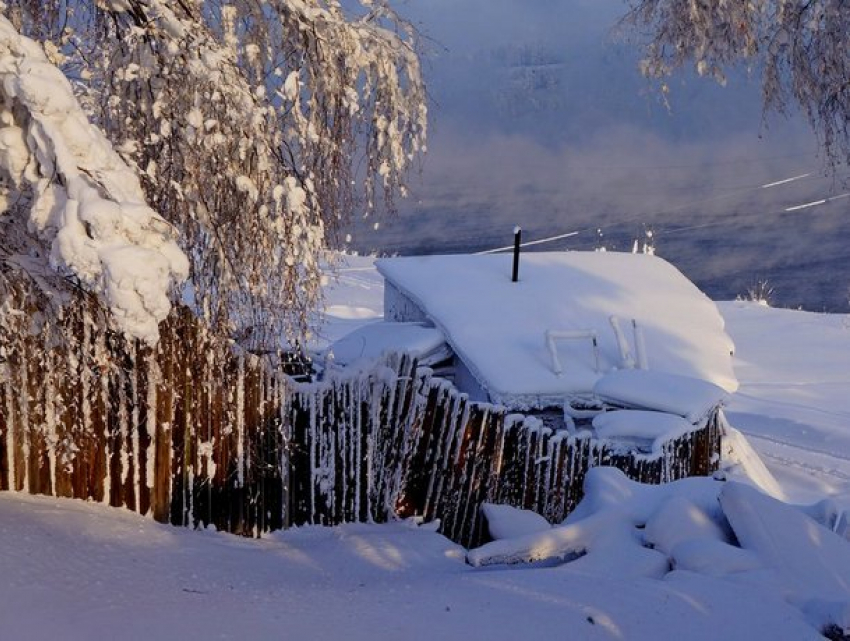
101, 360
358, 454
330, 462
154, 378
123, 430
134, 430
85, 387
371, 442
51, 438
10, 435
286, 427
240, 422
25, 427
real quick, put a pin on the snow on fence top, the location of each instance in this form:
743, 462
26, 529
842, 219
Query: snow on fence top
570, 311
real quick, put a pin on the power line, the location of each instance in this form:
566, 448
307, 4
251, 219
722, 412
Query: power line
785, 182
529, 243
815, 203
622, 221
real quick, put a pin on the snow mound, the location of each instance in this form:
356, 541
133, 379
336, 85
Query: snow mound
742, 461
656, 428
810, 564
719, 530
506, 522
603, 528
86, 203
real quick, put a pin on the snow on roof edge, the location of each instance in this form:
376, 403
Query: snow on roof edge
495, 398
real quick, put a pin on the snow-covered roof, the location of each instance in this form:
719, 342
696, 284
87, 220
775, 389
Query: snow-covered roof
370, 341
498, 327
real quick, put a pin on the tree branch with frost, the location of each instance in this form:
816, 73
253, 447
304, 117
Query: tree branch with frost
83, 202
259, 128
801, 50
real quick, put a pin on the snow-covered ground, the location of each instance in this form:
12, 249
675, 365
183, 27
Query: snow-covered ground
793, 403
76, 571
72, 570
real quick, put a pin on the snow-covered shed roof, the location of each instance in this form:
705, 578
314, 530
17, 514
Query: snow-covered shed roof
498, 327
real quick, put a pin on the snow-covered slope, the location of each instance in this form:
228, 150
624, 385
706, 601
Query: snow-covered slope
794, 401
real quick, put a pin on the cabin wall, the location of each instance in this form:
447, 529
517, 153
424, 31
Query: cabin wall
466, 382
399, 308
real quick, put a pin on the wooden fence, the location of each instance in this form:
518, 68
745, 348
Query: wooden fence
196, 433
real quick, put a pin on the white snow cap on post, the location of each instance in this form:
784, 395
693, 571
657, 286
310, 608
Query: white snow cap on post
87, 204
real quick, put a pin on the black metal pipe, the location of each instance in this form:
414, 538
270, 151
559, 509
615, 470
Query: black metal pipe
517, 242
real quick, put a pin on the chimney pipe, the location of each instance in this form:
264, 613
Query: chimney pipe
517, 242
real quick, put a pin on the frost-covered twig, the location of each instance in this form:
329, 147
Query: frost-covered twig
801, 49
257, 126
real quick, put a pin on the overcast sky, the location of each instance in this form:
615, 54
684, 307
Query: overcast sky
540, 117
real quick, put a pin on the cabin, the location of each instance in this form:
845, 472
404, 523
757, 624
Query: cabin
577, 334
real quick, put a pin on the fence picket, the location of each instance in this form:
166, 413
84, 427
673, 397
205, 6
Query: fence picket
197, 433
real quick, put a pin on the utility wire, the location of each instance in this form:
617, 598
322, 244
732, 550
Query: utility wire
734, 191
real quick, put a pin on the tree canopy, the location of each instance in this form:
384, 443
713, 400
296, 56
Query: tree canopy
801, 49
257, 127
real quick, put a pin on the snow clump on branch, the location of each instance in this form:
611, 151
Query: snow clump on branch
84, 202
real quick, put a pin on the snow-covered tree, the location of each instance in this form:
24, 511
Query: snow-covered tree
70, 206
800, 48
257, 127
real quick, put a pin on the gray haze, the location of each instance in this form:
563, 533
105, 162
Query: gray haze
540, 118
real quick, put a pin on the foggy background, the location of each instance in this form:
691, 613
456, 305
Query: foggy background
539, 117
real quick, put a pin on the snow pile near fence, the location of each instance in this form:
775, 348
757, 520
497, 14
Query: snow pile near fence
649, 430
499, 328
729, 531
86, 204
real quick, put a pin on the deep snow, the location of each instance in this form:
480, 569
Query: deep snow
77, 571
73, 570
